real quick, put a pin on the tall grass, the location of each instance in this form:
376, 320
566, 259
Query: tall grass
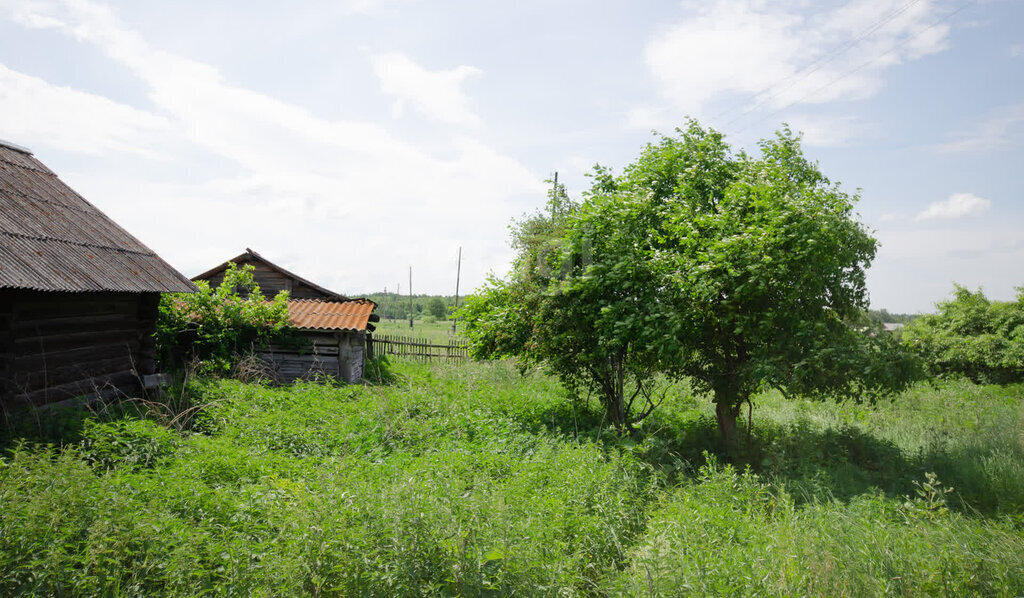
478, 480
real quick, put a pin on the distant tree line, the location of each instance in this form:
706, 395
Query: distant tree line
882, 316
392, 306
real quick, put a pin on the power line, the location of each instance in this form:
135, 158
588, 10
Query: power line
859, 67
816, 65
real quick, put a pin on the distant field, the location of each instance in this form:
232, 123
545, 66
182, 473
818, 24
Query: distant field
478, 480
432, 331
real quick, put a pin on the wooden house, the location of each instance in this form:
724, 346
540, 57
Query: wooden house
78, 294
333, 327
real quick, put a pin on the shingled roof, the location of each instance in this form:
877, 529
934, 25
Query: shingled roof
52, 239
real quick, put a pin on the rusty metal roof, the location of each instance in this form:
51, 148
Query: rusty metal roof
313, 314
251, 256
52, 239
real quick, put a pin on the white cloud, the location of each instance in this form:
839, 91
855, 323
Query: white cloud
286, 182
959, 205
435, 94
1016, 51
1000, 129
72, 120
744, 47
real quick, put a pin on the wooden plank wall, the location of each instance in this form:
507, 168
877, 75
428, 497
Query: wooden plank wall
61, 345
338, 354
272, 282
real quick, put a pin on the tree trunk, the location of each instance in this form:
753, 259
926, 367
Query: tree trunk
726, 411
613, 388
614, 410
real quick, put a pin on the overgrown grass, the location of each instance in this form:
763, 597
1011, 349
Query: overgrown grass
477, 480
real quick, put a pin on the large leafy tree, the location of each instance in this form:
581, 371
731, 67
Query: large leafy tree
972, 336
740, 272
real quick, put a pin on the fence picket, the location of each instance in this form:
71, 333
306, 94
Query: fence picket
420, 348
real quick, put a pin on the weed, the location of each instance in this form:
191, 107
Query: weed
481, 480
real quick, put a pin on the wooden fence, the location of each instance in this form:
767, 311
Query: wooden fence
417, 348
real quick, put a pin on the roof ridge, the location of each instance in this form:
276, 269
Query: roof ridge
15, 147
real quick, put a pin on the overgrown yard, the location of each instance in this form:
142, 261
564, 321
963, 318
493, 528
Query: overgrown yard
476, 480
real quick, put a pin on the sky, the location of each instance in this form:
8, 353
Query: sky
353, 139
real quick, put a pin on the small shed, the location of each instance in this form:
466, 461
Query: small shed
334, 334
78, 294
334, 328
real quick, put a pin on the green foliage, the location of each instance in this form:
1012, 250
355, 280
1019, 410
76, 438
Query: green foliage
469, 481
478, 480
731, 534
51, 424
215, 326
437, 308
128, 443
972, 336
881, 316
392, 306
738, 272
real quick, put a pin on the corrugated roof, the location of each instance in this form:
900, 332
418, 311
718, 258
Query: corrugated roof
313, 314
52, 239
252, 256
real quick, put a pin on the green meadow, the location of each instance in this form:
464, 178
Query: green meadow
480, 480
424, 329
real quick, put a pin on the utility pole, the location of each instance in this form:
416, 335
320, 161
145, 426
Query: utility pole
410, 297
554, 197
458, 274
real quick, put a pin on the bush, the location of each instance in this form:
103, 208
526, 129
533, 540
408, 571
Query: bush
973, 337
213, 327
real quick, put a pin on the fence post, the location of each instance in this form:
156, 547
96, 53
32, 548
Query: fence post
417, 348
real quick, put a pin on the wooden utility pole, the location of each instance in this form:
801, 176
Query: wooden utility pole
554, 197
410, 296
458, 274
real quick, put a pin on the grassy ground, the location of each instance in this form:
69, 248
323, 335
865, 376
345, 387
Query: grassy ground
476, 480
432, 330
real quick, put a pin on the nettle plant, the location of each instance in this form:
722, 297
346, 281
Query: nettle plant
215, 326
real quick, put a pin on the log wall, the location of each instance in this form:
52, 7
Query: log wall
57, 346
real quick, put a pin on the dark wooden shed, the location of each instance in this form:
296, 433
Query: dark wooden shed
334, 327
78, 294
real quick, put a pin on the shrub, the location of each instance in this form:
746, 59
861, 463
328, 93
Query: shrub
972, 336
213, 326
